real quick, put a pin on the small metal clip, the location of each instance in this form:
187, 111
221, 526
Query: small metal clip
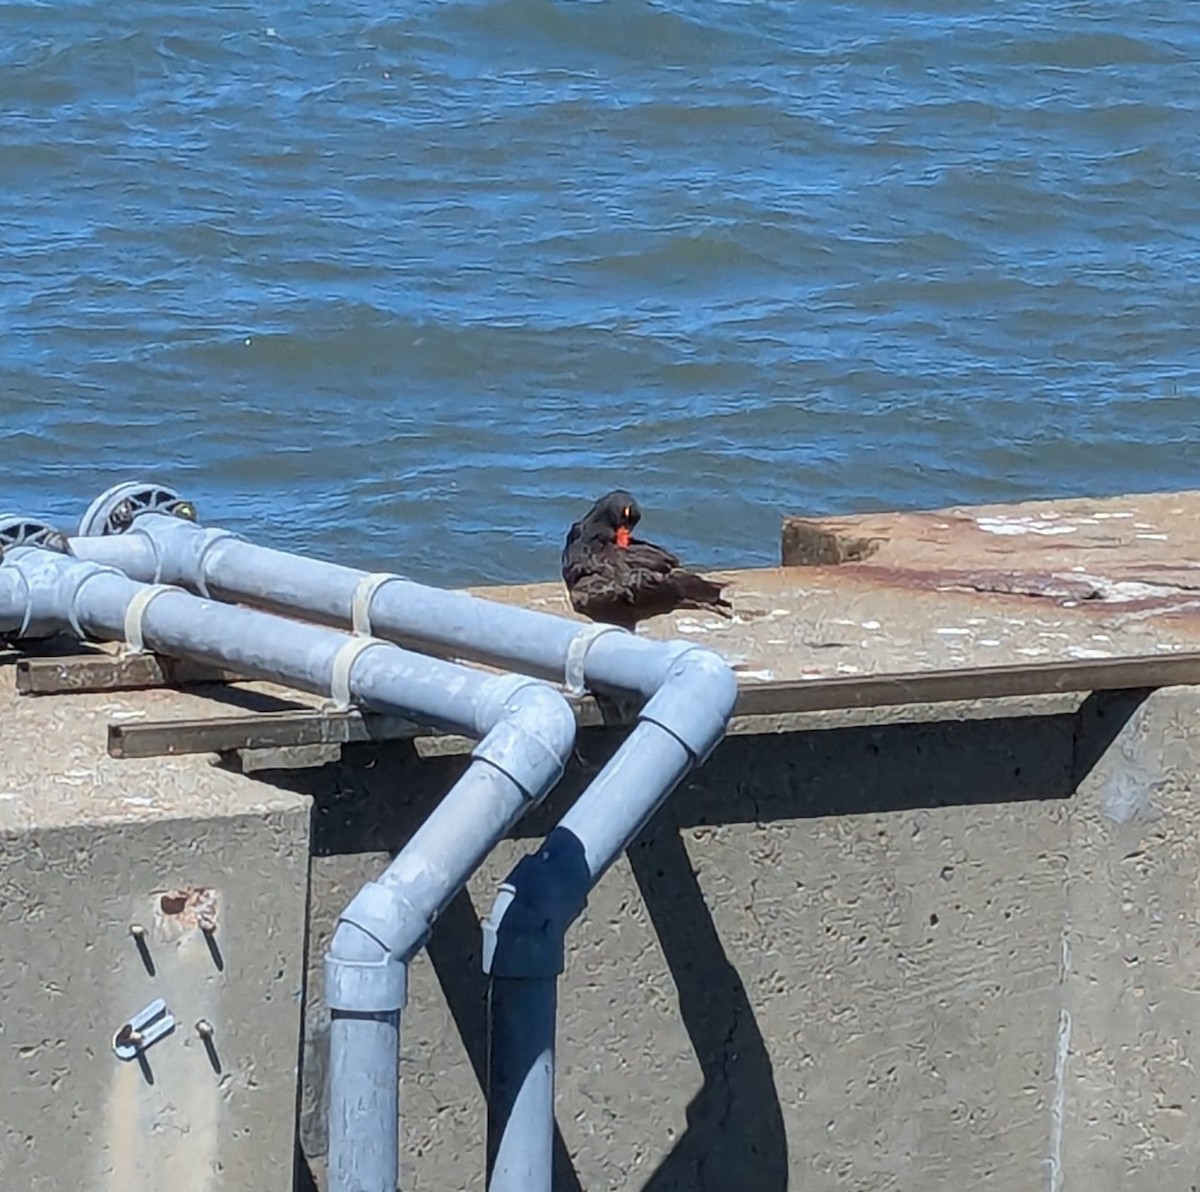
143, 1029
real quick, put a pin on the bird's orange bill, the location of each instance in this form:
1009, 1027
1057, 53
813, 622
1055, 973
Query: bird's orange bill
623, 537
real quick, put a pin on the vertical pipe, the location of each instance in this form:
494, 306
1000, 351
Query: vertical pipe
521, 1027
389, 919
364, 1083
525, 935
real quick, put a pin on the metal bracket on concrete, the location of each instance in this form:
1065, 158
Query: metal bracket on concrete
145, 1028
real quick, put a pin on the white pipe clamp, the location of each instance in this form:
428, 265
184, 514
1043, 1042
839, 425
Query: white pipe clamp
135, 613
577, 652
339, 683
364, 594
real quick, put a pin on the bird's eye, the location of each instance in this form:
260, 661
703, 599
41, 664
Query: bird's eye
625, 513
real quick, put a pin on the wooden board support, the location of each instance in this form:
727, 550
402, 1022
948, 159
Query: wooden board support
296, 729
77, 673
829, 693
258, 730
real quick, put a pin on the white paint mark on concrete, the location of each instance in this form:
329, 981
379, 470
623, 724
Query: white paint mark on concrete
988, 641
871, 625
1024, 525
1112, 516
1154, 537
1109, 591
1062, 1052
1088, 652
953, 631
1032, 651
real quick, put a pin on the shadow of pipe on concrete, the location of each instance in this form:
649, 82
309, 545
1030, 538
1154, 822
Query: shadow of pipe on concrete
735, 1123
735, 1135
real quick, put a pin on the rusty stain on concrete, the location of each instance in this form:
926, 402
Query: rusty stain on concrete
187, 909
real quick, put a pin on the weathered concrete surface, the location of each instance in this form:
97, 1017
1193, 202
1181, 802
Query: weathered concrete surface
942, 946
843, 958
88, 847
837, 960
983, 587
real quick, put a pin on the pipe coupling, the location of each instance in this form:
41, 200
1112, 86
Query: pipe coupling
181, 548
695, 702
366, 986
52, 585
525, 934
529, 732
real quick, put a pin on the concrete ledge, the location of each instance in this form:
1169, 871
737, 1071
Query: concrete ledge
91, 847
937, 945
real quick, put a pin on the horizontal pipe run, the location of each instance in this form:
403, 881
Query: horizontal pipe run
159, 548
53, 592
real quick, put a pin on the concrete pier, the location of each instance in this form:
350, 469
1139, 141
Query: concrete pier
930, 945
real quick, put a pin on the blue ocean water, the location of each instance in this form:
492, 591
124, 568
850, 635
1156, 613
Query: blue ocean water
408, 288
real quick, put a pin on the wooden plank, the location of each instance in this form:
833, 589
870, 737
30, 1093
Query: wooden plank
260, 730
829, 693
77, 673
286, 730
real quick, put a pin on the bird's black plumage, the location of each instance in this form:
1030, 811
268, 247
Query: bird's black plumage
620, 580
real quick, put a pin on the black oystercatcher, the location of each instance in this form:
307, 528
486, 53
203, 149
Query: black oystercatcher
618, 579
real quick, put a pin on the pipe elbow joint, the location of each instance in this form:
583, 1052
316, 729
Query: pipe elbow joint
366, 966
180, 548
525, 934
696, 700
528, 732
52, 583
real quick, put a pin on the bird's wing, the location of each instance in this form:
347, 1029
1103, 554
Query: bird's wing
583, 560
597, 589
641, 554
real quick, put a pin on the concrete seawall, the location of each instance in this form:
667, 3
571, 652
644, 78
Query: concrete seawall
926, 946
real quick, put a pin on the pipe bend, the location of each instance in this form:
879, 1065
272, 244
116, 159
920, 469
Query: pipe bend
52, 586
366, 965
528, 732
525, 933
696, 700
180, 548
134, 552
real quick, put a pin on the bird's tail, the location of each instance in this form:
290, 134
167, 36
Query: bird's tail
699, 592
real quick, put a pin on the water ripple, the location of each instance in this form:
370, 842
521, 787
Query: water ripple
409, 290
